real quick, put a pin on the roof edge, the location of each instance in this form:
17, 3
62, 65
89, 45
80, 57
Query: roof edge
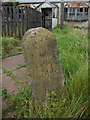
54, 2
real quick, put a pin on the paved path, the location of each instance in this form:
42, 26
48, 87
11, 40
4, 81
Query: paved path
12, 86
13, 61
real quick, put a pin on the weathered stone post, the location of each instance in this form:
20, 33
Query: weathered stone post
42, 60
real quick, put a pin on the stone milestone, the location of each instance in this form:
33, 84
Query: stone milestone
42, 60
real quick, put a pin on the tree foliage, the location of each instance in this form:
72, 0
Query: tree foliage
10, 3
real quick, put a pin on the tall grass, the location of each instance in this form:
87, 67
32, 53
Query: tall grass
70, 101
73, 49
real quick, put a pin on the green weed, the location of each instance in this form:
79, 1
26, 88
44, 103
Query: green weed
4, 92
10, 46
10, 74
21, 66
20, 102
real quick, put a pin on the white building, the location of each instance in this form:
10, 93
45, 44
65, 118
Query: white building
75, 10
50, 14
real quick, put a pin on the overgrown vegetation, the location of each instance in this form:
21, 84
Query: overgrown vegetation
70, 101
10, 47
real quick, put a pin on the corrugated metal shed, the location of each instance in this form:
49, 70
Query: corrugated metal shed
76, 5
22, 4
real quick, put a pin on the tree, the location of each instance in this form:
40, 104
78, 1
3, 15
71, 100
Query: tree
12, 2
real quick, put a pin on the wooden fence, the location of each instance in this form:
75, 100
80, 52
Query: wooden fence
16, 20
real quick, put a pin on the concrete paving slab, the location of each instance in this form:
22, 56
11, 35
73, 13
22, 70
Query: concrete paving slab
13, 61
9, 84
4, 104
22, 76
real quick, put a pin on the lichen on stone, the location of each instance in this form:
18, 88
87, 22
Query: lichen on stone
41, 55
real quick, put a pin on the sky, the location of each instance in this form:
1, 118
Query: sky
40, 0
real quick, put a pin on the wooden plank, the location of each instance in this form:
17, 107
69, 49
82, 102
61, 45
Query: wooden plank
18, 25
22, 20
35, 21
13, 21
7, 22
15, 24
26, 18
3, 23
30, 17
24, 26
11, 25
39, 19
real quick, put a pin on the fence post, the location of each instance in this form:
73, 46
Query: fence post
10, 9
18, 24
26, 18
62, 15
22, 20
14, 15
7, 16
3, 24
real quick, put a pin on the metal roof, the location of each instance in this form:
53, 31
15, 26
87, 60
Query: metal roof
76, 5
55, 1
40, 1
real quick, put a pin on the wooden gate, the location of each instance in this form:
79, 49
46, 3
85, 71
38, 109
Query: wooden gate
17, 20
